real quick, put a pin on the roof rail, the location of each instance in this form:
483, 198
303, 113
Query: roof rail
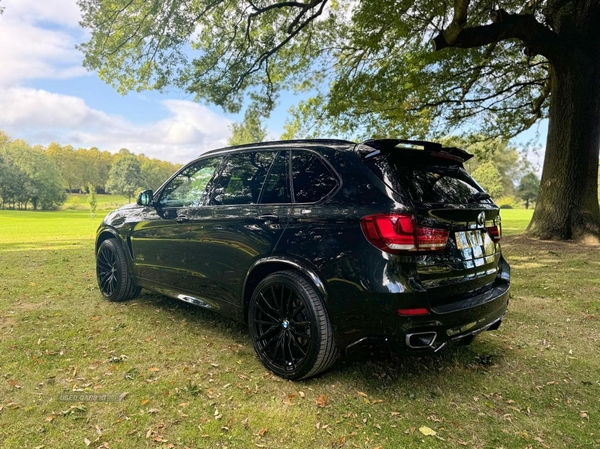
388, 145
274, 143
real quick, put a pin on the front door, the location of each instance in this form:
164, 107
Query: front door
160, 241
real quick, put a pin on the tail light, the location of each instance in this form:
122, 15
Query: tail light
398, 234
495, 232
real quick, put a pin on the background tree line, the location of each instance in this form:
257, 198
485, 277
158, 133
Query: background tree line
39, 177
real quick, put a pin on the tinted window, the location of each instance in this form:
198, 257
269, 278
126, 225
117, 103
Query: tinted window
192, 185
424, 178
277, 186
436, 186
242, 178
312, 179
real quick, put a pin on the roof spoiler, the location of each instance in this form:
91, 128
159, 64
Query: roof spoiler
389, 145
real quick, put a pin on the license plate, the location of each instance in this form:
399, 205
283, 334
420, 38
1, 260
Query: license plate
469, 239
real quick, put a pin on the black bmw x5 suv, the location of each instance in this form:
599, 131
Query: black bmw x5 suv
318, 245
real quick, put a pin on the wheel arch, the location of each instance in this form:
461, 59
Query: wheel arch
109, 233
266, 266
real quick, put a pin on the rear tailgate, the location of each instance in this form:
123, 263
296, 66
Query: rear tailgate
442, 195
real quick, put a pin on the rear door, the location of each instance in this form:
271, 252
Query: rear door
315, 224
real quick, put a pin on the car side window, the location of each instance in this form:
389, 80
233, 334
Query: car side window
312, 179
191, 187
242, 178
276, 189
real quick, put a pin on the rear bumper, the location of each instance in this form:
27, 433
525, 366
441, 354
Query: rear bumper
454, 323
466, 338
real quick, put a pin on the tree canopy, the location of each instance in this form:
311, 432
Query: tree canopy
373, 72
28, 176
125, 175
250, 130
529, 188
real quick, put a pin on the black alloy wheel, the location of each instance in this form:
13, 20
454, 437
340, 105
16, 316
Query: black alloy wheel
289, 326
114, 280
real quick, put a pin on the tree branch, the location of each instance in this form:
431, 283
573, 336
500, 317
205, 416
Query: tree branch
538, 39
458, 23
264, 56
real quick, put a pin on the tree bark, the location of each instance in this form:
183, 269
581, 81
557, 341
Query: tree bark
567, 204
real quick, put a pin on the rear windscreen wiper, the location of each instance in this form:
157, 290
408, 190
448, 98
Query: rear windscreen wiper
480, 196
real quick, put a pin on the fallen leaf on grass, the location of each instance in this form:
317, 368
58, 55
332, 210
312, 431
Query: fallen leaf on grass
87, 442
153, 369
322, 400
584, 415
289, 398
262, 432
427, 431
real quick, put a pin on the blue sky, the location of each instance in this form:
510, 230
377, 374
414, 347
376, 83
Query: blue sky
47, 96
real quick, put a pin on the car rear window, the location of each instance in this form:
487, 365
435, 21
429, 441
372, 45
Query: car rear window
424, 178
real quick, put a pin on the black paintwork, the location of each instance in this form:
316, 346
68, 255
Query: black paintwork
214, 255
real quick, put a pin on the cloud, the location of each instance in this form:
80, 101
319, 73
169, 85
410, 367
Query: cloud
42, 117
37, 41
61, 12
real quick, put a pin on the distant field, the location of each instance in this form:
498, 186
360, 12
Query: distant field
514, 221
80, 201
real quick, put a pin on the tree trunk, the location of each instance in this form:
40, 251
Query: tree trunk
567, 204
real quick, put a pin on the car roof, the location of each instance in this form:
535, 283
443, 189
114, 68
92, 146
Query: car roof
303, 143
368, 147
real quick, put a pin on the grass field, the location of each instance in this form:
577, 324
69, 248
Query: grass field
78, 201
189, 378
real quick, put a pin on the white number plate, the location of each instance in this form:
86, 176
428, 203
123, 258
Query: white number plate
469, 239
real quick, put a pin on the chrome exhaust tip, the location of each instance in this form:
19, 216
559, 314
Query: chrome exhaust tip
421, 340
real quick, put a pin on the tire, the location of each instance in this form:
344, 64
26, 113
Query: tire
114, 279
289, 327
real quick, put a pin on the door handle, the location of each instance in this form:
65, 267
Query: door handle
268, 217
182, 219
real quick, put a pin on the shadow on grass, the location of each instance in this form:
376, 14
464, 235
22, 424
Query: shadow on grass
369, 367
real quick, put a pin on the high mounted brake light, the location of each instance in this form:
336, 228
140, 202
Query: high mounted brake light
435, 149
398, 234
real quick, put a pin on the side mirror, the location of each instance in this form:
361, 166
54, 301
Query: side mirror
145, 198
